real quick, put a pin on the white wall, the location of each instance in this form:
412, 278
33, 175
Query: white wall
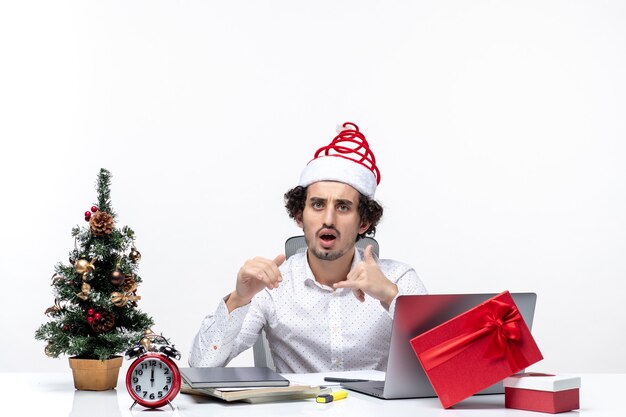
498, 125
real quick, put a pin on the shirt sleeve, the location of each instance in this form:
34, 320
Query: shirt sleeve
222, 336
409, 283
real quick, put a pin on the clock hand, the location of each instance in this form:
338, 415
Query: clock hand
152, 377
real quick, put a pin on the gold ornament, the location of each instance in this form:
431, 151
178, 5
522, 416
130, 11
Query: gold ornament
128, 293
48, 350
83, 265
86, 268
84, 290
135, 255
120, 299
145, 342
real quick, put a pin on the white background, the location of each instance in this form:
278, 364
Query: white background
499, 127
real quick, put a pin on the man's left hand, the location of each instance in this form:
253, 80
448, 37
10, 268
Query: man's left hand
367, 278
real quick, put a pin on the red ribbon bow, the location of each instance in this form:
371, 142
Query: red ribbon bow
495, 319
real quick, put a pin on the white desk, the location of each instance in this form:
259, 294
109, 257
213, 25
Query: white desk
53, 394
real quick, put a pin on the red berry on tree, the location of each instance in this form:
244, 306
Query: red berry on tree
87, 218
94, 208
89, 319
91, 311
97, 316
87, 214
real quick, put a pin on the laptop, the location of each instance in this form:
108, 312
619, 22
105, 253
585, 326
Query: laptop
414, 315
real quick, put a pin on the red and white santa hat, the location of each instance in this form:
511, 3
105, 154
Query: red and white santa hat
348, 159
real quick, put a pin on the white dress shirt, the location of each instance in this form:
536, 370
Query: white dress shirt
310, 327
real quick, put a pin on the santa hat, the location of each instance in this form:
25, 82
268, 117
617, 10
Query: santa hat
348, 159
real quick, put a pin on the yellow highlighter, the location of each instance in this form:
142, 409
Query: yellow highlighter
333, 396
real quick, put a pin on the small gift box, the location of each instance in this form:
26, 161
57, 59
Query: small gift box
542, 392
476, 349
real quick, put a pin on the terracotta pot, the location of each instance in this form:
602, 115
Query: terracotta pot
94, 374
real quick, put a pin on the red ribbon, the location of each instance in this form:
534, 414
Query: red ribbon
495, 319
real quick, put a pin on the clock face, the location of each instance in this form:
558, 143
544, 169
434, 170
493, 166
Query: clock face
152, 380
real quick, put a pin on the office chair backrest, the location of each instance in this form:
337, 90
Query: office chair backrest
293, 245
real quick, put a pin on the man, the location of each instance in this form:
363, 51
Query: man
330, 308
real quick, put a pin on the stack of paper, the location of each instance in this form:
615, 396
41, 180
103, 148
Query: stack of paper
259, 395
248, 384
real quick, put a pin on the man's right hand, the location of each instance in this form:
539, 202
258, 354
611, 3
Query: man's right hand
253, 276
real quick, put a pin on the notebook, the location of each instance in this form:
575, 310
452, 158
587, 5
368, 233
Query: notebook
232, 377
415, 314
259, 394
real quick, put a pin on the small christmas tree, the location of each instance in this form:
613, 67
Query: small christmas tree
95, 314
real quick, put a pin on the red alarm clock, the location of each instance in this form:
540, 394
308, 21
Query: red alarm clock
153, 379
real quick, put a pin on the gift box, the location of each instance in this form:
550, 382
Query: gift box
476, 349
542, 392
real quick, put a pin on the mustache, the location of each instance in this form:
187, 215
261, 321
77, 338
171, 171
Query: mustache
324, 227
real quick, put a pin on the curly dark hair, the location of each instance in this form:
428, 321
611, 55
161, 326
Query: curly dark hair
369, 210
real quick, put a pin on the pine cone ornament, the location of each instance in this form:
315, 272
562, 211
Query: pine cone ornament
129, 283
104, 324
101, 224
130, 292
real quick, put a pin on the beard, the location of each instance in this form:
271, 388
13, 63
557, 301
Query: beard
326, 255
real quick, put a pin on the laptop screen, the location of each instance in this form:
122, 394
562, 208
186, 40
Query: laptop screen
415, 314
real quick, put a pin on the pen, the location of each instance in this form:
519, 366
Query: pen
334, 379
333, 396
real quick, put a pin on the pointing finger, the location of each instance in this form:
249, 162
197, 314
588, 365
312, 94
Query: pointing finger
275, 264
279, 259
359, 294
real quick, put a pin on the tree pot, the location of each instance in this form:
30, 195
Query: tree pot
94, 374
